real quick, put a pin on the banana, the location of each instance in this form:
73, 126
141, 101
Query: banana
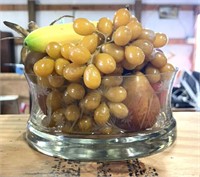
38, 39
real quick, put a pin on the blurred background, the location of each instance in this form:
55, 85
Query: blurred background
179, 20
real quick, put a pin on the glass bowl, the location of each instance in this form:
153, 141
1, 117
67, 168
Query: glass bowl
126, 117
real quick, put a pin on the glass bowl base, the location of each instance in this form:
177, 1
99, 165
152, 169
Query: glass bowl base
127, 146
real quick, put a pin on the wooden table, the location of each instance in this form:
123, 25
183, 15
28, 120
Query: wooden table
182, 159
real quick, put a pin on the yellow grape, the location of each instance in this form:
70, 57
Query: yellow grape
122, 35
90, 42
167, 68
92, 100
43, 67
115, 94
105, 26
147, 34
102, 114
134, 55
73, 71
65, 50
72, 112
85, 123
106, 129
121, 17
145, 45
127, 65
56, 80
152, 74
67, 98
43, 82
76, 91
119, 110
53, 100
136, 29
158, 59
111, 81
79, 55
57, 118
167, 71
117, 52
160, 40
105, 63
53, 49
60, 64
92, 77
83, 26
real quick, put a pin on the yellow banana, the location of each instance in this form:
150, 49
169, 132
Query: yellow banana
38, 39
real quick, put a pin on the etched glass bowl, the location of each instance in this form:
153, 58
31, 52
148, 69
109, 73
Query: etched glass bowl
126, 117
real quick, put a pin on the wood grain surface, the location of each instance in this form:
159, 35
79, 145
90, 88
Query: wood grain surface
182, 159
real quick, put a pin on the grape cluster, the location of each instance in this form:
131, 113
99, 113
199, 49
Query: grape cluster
86, 78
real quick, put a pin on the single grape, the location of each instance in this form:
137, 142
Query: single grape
56, 80
72, 112
128, 66
167, 71
106, 129
92, 100
53, 49
158, 59
105, 63
90, 42
145, 45
152, 74
115, 94
65, 50
167, 68
160, 40
121, 17
83, 26
148, 35
43, 67
102, 114
92, 77
43, 82
105, 26
111, 81
76, 91
119, 110
67, 98
60, 64
117, 52
122, 36
136, 29
73, 72
54, 100
134, 55
57, 118
79, 55
85, 123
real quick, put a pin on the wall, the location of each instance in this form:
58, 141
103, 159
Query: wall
178, 29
